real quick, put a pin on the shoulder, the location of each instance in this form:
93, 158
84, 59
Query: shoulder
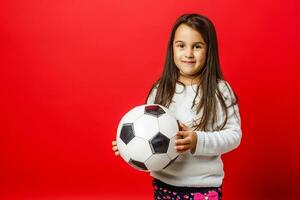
152, 94
223, 86
226, 90
154, 88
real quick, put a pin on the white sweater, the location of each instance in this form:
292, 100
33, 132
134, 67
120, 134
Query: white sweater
204, 168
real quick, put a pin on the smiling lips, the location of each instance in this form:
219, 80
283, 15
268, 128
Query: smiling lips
189, 62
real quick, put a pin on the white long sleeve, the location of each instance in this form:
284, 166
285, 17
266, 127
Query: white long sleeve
225, 140
204, 168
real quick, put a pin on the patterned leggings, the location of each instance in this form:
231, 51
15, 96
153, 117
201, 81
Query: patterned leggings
165, 191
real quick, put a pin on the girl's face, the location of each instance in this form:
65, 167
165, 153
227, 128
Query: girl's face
189, 50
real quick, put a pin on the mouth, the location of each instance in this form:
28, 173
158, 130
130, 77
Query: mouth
189, 62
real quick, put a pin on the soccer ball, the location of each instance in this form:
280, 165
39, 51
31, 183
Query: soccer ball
146, 137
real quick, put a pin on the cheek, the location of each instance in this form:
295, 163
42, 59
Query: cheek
177, 58
176, 55
201, 57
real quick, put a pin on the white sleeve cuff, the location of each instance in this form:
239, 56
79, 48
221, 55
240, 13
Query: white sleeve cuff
200, 143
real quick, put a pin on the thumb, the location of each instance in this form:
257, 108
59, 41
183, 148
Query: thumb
183, 126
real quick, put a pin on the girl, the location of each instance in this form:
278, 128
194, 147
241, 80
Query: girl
193, 88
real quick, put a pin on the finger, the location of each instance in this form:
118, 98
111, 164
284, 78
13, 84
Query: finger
117, 153
181, 134
178, 137
115, 148
184, 127
182, 124
183, 151
182, 148
114, 142
184, 141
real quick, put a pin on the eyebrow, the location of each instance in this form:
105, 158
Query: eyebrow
193, 43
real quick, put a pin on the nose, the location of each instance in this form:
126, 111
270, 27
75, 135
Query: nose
189, 53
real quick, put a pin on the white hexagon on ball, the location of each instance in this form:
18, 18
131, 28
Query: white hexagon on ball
172, 153
146, 126
123, 149
134, 149
168, 125
157, 162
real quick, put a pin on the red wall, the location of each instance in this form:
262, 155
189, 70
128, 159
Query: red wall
69, 70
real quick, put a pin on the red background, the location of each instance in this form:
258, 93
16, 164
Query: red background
70, 69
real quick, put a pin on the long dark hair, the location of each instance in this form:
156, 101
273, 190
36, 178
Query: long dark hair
210, 74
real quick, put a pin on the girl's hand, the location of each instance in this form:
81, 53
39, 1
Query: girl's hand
115, 148
186, 139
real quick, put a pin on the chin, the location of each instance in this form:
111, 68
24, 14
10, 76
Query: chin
188, 75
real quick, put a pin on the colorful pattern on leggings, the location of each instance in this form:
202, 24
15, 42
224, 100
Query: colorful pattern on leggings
165, 191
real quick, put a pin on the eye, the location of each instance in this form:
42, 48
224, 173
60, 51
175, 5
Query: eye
198, 47
180, 45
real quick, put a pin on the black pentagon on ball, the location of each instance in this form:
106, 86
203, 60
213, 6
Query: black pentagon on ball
137, 164
159, 143
154, 110
127, 133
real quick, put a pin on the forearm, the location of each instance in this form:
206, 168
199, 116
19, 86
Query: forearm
217, 142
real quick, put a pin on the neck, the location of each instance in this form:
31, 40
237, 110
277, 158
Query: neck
189, 80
